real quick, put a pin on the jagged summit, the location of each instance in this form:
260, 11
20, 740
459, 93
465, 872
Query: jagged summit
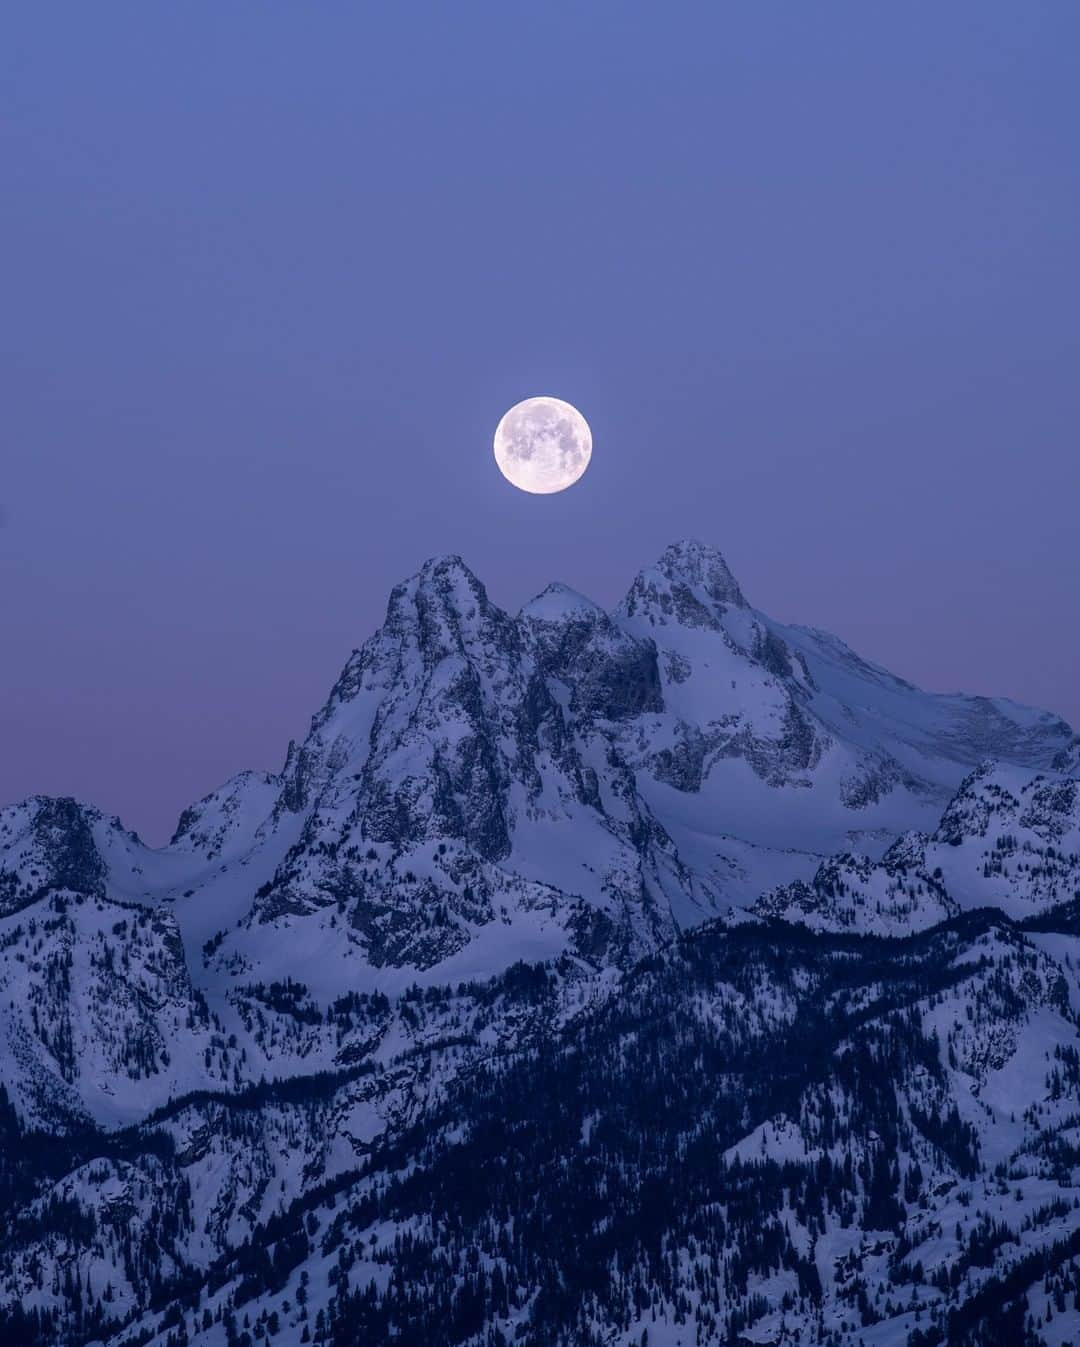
445, 566
690, 584
444, 580
697, 563
442, 619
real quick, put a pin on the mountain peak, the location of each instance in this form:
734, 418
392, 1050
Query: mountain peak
443, 591
444, 563
48, 843
690, 584
447, 570
696, 563
558, 602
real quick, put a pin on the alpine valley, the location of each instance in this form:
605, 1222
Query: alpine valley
662, 976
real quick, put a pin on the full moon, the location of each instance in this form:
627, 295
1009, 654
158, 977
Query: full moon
543, 445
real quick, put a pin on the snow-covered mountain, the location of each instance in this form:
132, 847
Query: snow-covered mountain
1008, 839
702, 904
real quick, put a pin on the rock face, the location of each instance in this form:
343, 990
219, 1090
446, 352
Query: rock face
606, 673
741, 963
441, 769
47, 845
100, 1017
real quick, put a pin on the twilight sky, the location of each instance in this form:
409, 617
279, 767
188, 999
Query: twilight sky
270, 275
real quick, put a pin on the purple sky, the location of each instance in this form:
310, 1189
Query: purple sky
272, 273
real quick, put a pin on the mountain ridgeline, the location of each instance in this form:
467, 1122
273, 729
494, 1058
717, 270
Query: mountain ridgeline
662, 976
